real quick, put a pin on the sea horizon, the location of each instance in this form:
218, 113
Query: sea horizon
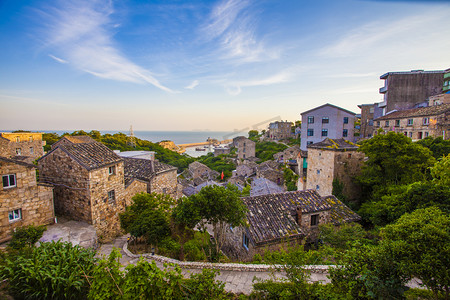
155, 136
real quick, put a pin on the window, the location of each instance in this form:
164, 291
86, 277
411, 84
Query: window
112, 170
410, 122
426, 121
397, 123
310, 132
310, 120
345, 133
17, 139
410, 134
426, 133
370, 122
30, 139
15, 215
317, 187
324, 132
419, 135
314, 220
31, 150
111, 196
318, 171
345, 120
245, 241
9, 181
18, 151
243, 156
371, 110
325, 120
378, 123
309, 142
405, 133
349, 155
386, 124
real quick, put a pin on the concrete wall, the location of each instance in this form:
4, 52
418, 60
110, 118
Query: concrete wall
335, 125
35, 201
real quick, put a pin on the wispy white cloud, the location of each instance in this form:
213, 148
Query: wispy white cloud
381, 34
60, 60
192, 85
81, 32
235, 88
233, 24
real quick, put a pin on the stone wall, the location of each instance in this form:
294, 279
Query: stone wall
272, 175
312, 232
71, 185
165, 183
320, 171
348, 165
31, 147
35, 201
135, 187
105, 211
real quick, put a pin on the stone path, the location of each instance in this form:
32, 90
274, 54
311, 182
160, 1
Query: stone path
235, 281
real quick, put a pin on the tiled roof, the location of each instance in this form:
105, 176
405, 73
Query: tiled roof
334, 144
91, 156
80, 139
17, 161
196, 165
273, 216
417, 112
268, 165
143, 169
263, 186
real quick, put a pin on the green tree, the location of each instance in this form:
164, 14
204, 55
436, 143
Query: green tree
215, 205
290, 179
53, 270
26, 236
392, 159
441, 171
342, 236
420, 244
148, 217
438, 146
253, 135
265, 150
338, 189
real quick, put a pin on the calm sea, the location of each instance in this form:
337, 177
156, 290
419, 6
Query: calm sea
178, 137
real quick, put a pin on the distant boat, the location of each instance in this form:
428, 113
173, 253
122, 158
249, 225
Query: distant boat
200, 149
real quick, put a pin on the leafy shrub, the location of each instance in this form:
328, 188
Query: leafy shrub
169, 247
26, 236
193, 251
51, 271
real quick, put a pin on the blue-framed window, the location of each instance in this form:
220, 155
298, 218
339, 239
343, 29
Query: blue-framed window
310, 120
245, 241
345, 133
310, 132
345, 120
324, 132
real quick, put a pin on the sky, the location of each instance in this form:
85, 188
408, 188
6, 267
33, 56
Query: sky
205, 65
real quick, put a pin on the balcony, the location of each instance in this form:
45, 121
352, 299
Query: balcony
383, 89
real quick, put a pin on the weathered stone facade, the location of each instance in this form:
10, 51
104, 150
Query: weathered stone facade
165, 183
136, 186
280, 130
26, 144
245, 147
334, 159
417, 123
69, 140
29, 202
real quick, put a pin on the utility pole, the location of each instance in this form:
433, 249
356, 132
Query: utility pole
131, 138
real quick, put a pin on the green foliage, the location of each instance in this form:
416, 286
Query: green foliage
169, 247
254, 135
438, 146
420, 245
266, 150
341, 237
338, 189
441, 171
368, 272
290, 179
405, 199
26, 236
216, 205
198, 247
51, 271
322, 256
145, 280
50, 139
148, 217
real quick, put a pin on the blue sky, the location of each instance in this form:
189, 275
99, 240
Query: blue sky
214, 65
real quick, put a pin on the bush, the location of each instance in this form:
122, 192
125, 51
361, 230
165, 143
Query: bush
26, 236
169, 247
51, 271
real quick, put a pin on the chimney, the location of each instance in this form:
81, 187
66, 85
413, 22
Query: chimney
299, 215
152, 165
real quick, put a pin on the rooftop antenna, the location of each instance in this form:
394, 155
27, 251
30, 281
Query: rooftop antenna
131, 138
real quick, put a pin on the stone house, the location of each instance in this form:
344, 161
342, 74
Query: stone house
286, 155
334, 159
246, 170
417, 123
160, 178
221, 150
284, 219
280, 130
23, 201
326, 121
270, 170
89, 184
245, 147
76, 139
28, 145
199, 170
